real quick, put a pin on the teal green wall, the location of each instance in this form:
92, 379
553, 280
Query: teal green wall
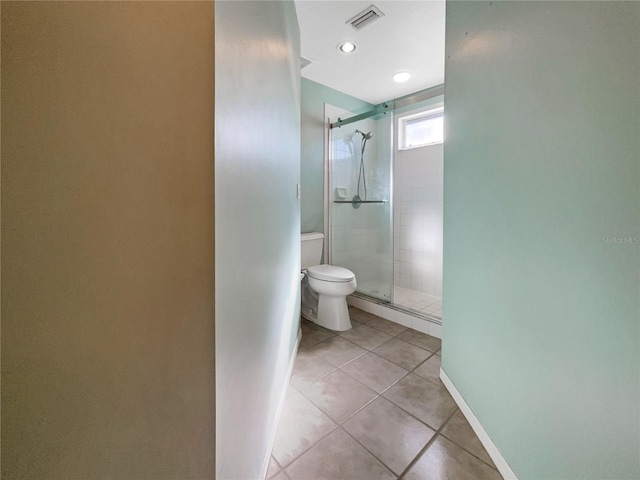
542, 174
314, 96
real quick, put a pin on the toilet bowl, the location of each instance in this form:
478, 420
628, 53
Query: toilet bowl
324, 287
332, 285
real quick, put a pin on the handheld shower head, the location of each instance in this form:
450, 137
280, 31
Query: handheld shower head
365, 136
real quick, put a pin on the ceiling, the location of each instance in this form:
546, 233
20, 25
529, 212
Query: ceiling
409, 37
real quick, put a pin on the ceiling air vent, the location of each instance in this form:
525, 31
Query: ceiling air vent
304, 62
365, 17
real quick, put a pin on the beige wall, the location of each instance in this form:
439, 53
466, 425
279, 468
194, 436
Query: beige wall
107, 240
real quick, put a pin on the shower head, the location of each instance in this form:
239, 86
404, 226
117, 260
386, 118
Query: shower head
366, 136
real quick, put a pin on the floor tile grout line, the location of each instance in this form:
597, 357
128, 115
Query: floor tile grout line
410, 370
314, 380
415, 344
335, 336
378, 393
277, 463
379, 356
317, 343
356, 412
340, 425
344, 365
402, 366
367, 349
279, 471
409, 413
434, 383
297, 457
370, 452
434, 430
392, 336
389, 339
402, 408
359, 410
423, 362
389, 360
396, 335
427, 446
354, 359
381, 394
377, 330
469, 451
367, 404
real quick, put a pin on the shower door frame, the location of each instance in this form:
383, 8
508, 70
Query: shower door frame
326, 165
331, 111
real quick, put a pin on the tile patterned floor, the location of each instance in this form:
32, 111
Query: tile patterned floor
367, 404
418, 301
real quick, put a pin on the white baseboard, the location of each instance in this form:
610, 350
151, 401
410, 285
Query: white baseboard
274, 429
483, 436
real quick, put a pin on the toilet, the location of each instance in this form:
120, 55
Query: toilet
324, 287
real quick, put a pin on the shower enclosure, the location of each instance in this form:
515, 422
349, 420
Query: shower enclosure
360, 203
385, 235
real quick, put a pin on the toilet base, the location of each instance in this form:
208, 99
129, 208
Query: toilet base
333, 313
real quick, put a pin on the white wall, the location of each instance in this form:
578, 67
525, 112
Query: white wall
257, 150
417, 216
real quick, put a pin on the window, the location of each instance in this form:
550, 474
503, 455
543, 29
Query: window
421, 129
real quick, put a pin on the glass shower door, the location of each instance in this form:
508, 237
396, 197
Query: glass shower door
361, 216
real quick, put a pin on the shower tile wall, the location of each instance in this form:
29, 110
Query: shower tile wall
418, 185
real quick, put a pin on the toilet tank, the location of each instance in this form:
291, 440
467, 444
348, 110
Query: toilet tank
311, 249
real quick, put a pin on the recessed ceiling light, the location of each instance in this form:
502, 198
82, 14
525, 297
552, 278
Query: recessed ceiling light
401, 77
347, 47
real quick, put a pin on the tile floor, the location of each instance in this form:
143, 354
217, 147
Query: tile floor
418, 301
367, 404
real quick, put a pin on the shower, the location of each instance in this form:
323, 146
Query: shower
384, 204
359, 219
361, 172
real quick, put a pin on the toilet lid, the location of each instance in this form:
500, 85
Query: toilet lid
330, 273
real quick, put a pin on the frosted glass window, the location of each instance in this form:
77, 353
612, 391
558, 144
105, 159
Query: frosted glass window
422, 129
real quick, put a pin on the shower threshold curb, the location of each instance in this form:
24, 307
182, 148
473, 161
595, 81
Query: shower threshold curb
404, 316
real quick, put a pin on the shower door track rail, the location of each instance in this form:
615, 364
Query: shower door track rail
391, 105
361, 201
377, 110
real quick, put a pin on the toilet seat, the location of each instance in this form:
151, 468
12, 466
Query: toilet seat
330, 273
